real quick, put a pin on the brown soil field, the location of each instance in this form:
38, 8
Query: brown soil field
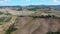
29, 25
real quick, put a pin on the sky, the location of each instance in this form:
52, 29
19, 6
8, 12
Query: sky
28, 2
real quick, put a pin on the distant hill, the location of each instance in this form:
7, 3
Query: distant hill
33, 7
45, 6
11, 7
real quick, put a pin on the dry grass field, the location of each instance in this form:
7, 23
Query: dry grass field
28, 22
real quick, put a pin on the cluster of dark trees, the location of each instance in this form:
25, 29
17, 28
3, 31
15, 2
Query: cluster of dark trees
19, 9
48, 16
1, 13
11, 29
53, 33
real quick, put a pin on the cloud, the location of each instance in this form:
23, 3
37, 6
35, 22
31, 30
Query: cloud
28, 0
55, 1
2, 1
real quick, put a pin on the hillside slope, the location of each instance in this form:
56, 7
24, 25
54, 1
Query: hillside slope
29, 25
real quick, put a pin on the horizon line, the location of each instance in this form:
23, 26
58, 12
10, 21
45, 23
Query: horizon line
17, 5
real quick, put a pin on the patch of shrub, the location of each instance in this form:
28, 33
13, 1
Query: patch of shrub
9, 18
19, 9
11, 29
1, 13
2, 19
53, 33
8, 14
21, 16
42, 16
